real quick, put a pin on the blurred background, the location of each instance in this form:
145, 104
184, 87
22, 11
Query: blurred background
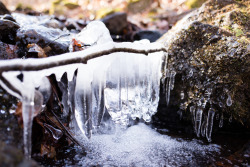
149, 14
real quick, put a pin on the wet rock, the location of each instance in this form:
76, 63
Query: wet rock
10, 132
3, 9
212, 66
152, 36
8, 17
8, 51
52, 23
116, 22
8, 30
139, 5
72, 24
44, 37
13, 157
25, 19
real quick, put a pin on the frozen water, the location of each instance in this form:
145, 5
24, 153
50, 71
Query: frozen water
126, 83
95, 33
198, 120
210, 121
229, 100
140, 145
170, 83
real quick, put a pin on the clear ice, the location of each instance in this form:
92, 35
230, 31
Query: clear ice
124, 84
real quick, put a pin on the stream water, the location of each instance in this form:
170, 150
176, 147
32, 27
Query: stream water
141, 145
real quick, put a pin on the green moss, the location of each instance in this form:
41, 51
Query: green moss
194, 3
238, 32
101, 13
70, 5
21, 7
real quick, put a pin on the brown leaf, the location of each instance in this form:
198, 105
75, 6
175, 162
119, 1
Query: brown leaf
35, 51
48, 150
18, 114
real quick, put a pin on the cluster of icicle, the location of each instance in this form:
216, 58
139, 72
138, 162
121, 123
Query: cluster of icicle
202, 123
125, 84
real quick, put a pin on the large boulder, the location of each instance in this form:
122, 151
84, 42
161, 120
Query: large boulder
211, 65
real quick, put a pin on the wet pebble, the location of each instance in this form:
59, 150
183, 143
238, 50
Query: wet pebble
8, 30
44, 37
152, 36
116, 22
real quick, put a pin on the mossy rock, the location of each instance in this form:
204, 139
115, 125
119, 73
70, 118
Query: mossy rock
212, 64
59, 7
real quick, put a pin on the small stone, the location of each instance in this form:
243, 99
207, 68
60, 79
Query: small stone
8, 30
116, 22
152, 36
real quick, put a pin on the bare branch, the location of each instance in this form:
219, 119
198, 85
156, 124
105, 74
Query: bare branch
84, 56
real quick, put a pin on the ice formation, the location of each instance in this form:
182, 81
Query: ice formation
122, 78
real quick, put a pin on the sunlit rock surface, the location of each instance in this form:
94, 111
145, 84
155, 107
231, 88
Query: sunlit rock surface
211, 65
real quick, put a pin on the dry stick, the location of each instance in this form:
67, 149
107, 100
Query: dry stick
64, 129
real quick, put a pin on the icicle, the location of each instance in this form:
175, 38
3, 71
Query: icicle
45, 88
63, 85
170, 84
27, 110
112, 91
172, 79
155, 84
28, 94
203, 102
97, 104
134, 90
182, 95
83, 109
164, 70
221, 121
198, 121
208, 93
144, 86
38, 102
192, 111
229, 100
56, 133
203, 126
168, 88
71, 94
210, 120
